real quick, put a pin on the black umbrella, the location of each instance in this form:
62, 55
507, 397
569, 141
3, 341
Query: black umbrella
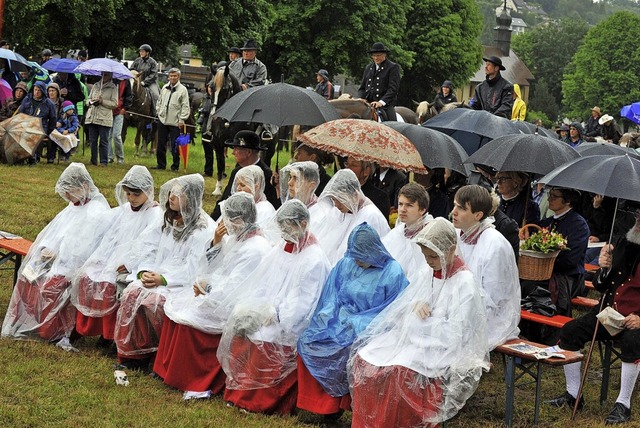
436, 149
278, 104
471, 128
525, 152
530, 128
16, 61
590, 149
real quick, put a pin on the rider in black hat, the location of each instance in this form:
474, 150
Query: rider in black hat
380, 82
495, 94
234, 53
249, 70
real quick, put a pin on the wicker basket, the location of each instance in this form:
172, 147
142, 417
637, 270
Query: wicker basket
534, 265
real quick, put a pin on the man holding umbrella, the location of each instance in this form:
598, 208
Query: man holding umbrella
173, 111
619, 280
380, 82
495, 94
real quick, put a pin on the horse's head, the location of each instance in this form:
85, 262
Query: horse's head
425, 111
225, 85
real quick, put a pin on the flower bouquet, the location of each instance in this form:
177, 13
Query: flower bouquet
538, 253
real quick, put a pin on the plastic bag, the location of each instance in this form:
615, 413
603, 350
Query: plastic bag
539, 302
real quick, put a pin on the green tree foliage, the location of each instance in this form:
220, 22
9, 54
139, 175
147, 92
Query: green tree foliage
548, 49
542, 100
605, 68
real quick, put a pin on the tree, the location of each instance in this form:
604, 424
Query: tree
604, 70
542, 100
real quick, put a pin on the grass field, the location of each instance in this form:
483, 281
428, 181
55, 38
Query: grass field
42, 386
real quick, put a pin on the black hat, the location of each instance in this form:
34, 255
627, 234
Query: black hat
234, 50
246, 140
250, 45
495, 60
446, 84
378, 47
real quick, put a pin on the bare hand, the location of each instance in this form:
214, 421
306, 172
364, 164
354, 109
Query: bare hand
422, 310
122, 269
631, 322
221, 230
47, 254
604, 260
151, 279
597, 201
199, 288
594, 239
376, 104
65, 132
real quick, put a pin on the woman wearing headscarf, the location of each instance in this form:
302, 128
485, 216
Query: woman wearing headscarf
195, 317
519, 109
344, 206
258, 346
422, 357
172, 255
98, 283
365, 281
40, 305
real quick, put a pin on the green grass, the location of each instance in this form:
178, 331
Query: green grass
42, 386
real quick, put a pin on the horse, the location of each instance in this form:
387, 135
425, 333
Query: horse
426, 110
349, 107
141, 115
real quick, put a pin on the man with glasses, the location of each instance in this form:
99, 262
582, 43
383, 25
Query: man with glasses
380, 82
619, 280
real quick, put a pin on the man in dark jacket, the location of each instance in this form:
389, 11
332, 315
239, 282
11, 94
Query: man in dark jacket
619, 280
246, 148
610, 130
593, 128
495, 94
380, 82
364, 171
70, 88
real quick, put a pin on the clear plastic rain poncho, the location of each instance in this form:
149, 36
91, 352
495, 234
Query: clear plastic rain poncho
351, 297
223, 277
299, 180
176, 255
40, 304
258, 345
331, 226
491, 259
94, 290
401, 247
419, 361
250, 179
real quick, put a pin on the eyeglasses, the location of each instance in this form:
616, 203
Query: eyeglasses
503, 179
554, 196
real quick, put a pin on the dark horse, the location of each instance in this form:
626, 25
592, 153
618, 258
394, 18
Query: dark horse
142, 116
360, 108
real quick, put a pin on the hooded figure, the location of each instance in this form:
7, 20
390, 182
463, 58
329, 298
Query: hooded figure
576, 133
40, 304
299, 180
172, 252
12, 104
40, 106
250, 179
365, 281
258, 346
519, 110
95, 288
418, 362
444, 96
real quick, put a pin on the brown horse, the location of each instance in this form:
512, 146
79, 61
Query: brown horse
142, 116
427, 110
348, 107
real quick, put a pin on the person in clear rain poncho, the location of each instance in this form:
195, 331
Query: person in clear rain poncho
258, 346
250, 179
344, 206
192, 328
299, 180
94, 291
172, 255
413, 204
40, 304
422, 357
359, 287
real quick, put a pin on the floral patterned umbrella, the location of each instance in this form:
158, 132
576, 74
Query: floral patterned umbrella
19, 137
365, 140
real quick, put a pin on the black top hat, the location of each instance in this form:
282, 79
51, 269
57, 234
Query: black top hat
378, 47
250, 45
495, 60
234, 50
246, 140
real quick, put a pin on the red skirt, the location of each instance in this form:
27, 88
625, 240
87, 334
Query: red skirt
393, 397
313, 398
142, 335
279, 399
98, 297
102, 326
42, 297
186, 359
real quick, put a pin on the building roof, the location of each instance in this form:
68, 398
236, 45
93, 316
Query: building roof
517, 22
516, 70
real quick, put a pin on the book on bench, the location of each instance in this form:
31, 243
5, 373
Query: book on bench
538, 353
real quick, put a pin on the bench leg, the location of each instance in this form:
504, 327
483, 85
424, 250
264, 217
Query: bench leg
510, 378
606, 372
538, 382
16, 268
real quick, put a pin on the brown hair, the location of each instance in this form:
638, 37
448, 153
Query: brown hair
415, 193
477, 197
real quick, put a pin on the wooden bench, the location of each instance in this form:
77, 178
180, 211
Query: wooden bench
13, 250
584, 302
557, 321
531, 366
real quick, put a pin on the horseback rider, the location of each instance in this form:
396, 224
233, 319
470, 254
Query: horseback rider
148, 67
249, 70
380, 82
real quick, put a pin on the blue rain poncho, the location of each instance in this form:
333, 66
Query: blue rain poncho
352, 296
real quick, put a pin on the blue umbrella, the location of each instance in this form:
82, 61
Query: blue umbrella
16, 61
97, 66
631, 112
61, 65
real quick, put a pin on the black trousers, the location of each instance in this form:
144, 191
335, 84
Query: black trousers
167, 133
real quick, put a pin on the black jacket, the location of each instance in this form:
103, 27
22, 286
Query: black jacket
440, 100
495, 96
381, 85
377, 196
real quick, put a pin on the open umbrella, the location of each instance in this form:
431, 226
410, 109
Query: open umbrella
524, 152
631, 112
19, 137
97, 66
278, 104
61, 65
365, 140
471, 128
590, 149
530, 128
16, 61
5, 91
436, 149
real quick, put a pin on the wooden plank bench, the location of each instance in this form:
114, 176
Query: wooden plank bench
557, 321
584, 302
13, 250
531, 366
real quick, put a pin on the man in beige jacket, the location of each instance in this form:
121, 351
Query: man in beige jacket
99, 118
173, 110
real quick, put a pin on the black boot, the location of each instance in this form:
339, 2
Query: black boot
566, 400
620, 414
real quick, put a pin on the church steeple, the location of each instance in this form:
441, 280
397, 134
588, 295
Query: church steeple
503, 31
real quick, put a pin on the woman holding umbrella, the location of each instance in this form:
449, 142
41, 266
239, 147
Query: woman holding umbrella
514, 200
